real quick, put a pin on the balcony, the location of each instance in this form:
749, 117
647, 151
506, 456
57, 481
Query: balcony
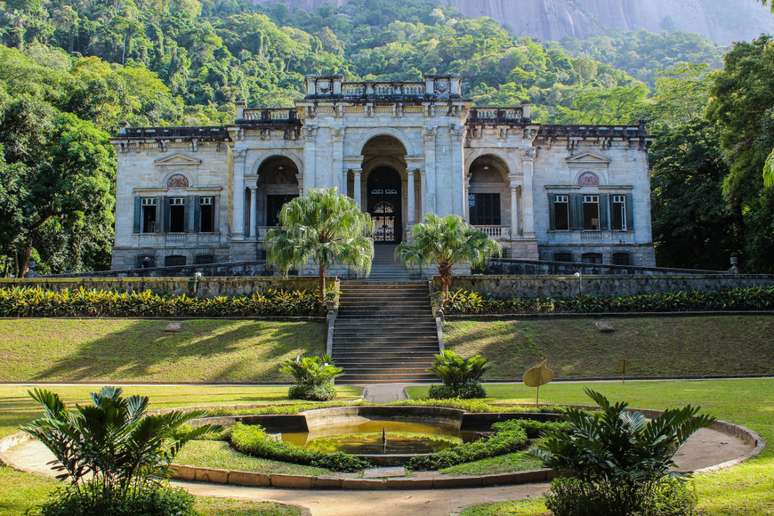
496, 232
499, 116
271, 117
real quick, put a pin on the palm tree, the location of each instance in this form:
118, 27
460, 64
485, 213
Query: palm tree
324, 227
447, 241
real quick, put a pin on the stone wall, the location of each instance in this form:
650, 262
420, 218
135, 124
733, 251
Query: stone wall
603, 286
204, 287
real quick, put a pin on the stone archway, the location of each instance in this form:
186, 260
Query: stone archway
383, 195
277, 184
489, 202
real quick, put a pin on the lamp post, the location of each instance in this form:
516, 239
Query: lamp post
579, 275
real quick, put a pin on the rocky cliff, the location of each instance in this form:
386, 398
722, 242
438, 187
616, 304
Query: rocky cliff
723, 21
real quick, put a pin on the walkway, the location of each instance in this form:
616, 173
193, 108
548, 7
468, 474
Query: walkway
384, 392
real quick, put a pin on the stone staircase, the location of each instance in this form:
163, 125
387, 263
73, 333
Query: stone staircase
384, 333
385, 267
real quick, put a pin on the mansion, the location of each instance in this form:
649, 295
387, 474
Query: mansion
196, 195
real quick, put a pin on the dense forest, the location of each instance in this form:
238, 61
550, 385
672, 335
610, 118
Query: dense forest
71, 70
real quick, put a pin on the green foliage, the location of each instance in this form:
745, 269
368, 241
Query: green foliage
110, 450
533, 427
324, 227
253, 440
314, 378
446, 242
737, 299
461, 377
38, 302
501, 442
618, 455
88, 500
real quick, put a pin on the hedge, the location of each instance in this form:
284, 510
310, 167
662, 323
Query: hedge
253, 440
38, 302
739, 299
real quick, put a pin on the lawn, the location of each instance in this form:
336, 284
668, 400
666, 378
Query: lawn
744, 489
136, 350
20, 491
576, 348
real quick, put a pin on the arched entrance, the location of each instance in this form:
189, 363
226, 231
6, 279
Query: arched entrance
384, 204
277, 184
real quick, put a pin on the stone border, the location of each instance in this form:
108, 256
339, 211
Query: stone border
586, 315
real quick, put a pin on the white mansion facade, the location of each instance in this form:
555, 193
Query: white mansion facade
188, 195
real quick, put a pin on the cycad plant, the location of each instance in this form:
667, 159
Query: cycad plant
447, 241
323, 227
615, 455
111, 449
313, 376
461, 377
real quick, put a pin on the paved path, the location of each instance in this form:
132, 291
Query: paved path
384, 392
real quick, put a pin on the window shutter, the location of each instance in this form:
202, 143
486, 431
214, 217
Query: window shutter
604, 211
215, 226
167, 215
576, 211
197, 217
551, 211
629, 212
161, 214
137, 214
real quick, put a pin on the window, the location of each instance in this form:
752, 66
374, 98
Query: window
591, 258
561, 212
622, 259
177, 215
618, 221
174, 260
562, 257
591, 212
203, 259
484, 209
149, 215
207, 214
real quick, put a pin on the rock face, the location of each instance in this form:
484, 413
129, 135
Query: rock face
722, 21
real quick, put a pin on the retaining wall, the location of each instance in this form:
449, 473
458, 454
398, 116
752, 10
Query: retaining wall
602, 286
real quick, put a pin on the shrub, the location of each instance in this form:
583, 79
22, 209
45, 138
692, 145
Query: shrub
499, 443
533, 428
460, 376
314, 378
89, 500
38, 302
575, 497
740, 299
253, 440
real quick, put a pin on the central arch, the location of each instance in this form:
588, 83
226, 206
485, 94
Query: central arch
384, 204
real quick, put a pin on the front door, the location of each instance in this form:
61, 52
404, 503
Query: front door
384, 204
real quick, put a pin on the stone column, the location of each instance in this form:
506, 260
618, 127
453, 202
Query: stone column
429, 177
238, 197
410, 198
252, 229
357, 195
514, 210
528, 163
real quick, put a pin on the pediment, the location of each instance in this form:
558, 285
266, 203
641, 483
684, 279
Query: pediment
588, 158
177, 160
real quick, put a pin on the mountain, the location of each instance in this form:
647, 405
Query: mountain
722, 21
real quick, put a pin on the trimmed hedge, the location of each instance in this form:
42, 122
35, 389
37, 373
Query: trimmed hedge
739, 299
533, 427
38, 302
253, 440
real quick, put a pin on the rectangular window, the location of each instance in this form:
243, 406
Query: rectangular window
591, 258
177, 215
207, 214
622, 259
485, 209
562, 257
618, 219
174, 260
591, 212
149, 215
561, 212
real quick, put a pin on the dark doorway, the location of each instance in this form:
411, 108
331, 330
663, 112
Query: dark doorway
384, 204
274, 204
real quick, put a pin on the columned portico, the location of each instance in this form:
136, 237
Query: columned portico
251, 229
514, 209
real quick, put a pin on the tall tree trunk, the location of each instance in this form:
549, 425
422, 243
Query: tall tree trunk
25, 262
445, 273
322, 282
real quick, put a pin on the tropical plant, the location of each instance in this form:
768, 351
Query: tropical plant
447, 241
460, 376
314, 377
618, 450
113, 449
324, 227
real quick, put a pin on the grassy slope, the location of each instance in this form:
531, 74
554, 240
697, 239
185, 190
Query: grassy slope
652, 346
139, 350
744, 489
20, 491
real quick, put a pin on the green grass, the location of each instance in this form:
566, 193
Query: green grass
134, 350
517, 461
652, 346
744, 489
219, 454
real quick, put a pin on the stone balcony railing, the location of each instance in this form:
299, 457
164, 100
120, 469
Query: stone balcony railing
499, 116
267, 116
496, 232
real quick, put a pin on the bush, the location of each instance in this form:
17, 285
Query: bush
325, 392
253, 440
533, 428
38, 302
575, 497
461, 377
314, 378
738, 299
468, 390
499, 443
150, 500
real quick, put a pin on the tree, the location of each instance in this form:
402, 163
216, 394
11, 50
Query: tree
325, 228
447, 242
